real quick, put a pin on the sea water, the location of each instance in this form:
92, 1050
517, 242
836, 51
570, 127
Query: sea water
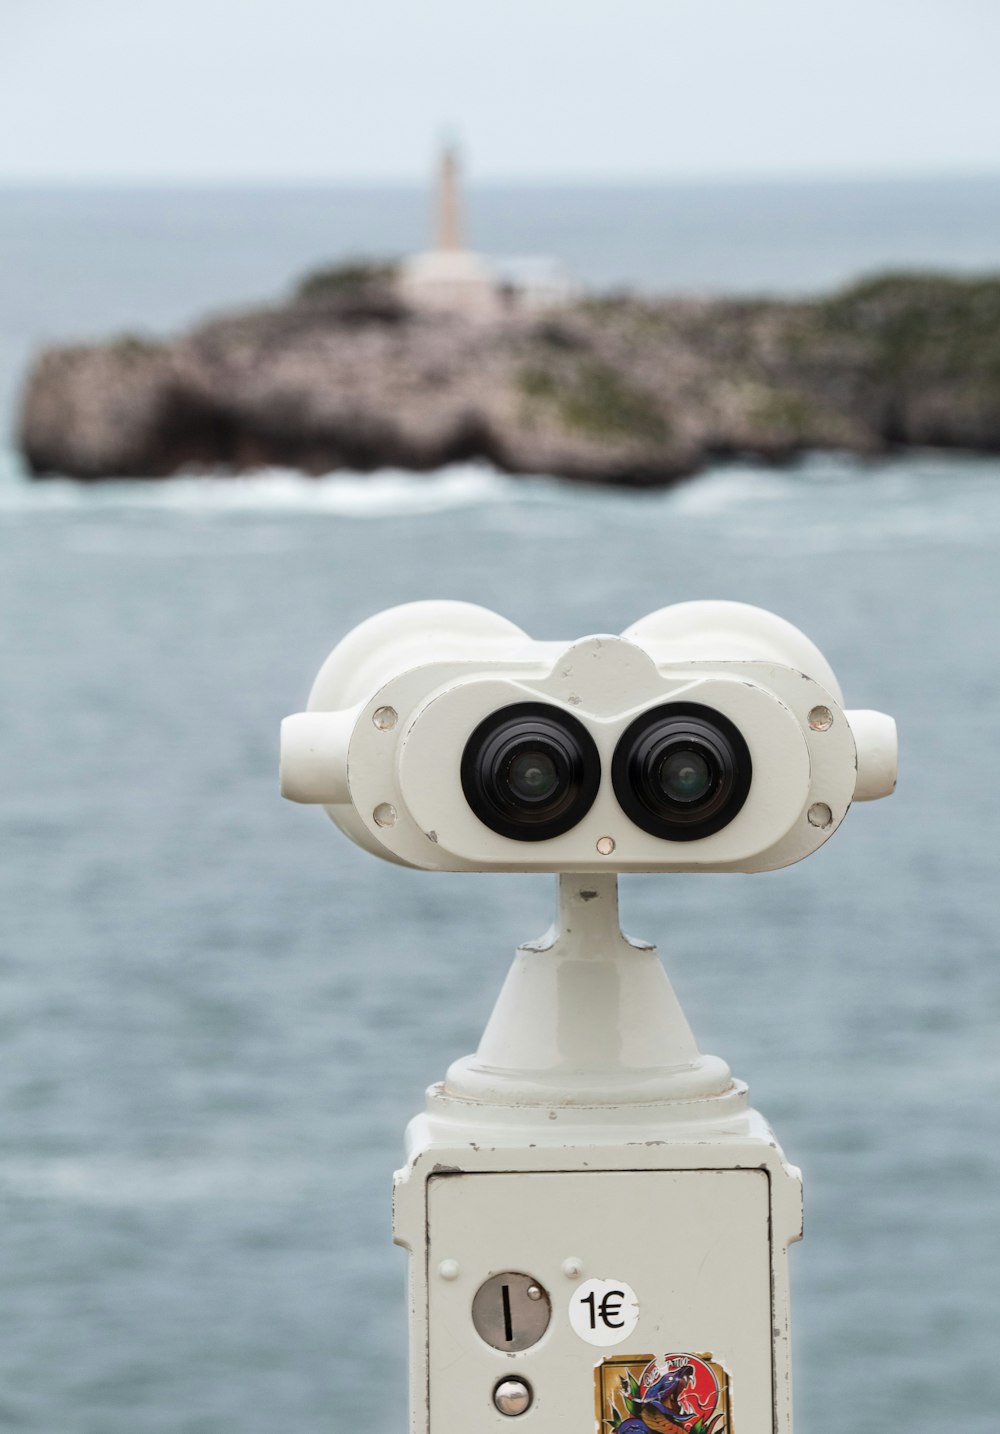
218, 1013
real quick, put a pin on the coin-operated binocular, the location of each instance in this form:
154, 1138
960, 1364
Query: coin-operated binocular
598, 1222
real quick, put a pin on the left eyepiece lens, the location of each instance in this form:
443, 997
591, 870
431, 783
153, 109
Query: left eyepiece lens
534, 776
530, 771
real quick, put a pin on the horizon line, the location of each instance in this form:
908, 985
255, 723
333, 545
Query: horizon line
553, 181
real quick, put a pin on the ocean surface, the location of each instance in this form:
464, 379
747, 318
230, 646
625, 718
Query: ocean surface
218, 1014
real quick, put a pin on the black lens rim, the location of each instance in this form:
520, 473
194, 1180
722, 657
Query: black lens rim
650, 739
526, 726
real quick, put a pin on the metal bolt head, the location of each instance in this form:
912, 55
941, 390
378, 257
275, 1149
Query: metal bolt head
512, 1396
820, 815
533, 1292
605, 845
385, 815
821, 719
385, 718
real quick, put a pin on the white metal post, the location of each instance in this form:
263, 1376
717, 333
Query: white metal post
598, 1223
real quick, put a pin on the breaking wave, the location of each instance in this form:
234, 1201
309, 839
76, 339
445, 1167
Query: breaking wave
276, 491
950, 497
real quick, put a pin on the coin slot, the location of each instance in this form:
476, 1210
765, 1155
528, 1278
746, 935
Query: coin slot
511, 1311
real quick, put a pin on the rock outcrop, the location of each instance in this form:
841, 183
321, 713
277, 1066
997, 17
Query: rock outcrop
618, 389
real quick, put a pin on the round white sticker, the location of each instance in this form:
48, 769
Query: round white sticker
604, 1312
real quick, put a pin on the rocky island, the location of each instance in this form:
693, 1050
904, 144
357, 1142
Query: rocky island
611, 388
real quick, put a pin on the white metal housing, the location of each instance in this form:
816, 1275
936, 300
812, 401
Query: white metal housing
397, 700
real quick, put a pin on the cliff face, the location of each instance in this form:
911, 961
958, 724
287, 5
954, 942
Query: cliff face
612, 389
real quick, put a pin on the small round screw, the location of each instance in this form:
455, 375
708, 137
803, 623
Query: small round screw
384, 815
605, 845
449, 1269
385, 718
533, 1292
512, 1396
821, 719
820, 815
572, 1268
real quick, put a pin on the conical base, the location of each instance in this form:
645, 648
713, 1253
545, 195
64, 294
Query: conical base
588, 1022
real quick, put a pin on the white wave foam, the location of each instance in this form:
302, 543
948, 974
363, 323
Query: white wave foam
950, 496
721, 488
270, 491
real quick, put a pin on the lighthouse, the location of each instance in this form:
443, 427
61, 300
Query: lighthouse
452, 278
449, 277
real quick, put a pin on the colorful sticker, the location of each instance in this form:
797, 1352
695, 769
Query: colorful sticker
673, 1394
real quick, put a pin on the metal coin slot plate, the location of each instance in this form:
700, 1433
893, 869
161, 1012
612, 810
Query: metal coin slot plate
511, 1311
694, 1244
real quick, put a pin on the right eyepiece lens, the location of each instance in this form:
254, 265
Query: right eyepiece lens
681, 771
685, 776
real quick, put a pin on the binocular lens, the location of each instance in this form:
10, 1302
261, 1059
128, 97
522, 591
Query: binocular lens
533, 776
681, 771
530, 771
685, 776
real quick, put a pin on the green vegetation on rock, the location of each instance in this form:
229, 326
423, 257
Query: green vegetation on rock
593, 399
920, 322
789, 416
137, 346
346, 279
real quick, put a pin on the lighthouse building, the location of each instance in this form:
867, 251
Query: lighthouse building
451, 278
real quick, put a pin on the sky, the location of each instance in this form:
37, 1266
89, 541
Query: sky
142, 91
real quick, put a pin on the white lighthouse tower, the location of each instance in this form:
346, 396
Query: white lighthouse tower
450, 277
